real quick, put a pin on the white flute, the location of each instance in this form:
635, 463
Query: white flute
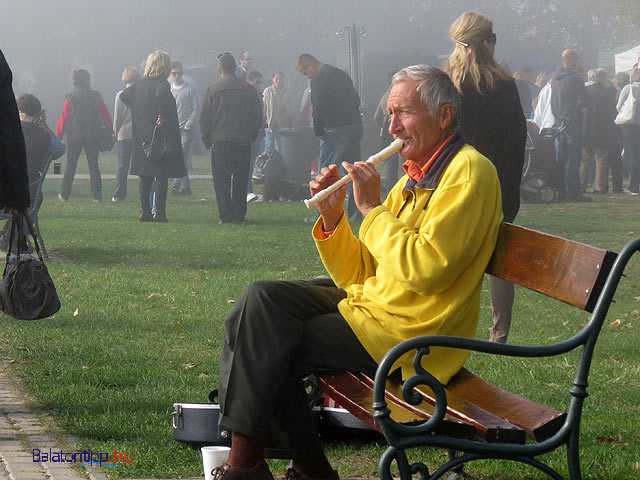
374, 160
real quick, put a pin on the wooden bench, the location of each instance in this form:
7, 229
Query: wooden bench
470, 415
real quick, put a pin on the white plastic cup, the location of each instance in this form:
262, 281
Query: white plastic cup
213, 457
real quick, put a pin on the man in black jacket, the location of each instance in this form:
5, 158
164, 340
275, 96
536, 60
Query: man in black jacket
229, 121
568, 98
14, 183
336, 117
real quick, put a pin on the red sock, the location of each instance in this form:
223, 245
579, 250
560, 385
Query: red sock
246, 452
314, 467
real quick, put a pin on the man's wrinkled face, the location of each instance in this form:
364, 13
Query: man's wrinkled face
412, 123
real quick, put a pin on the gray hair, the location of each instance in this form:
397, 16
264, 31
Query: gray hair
435, 87
591, 74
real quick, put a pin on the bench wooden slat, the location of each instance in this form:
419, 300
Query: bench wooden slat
354, 394
490, 427
539, 421
569, 271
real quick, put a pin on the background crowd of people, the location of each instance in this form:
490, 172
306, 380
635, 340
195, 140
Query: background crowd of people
159, 97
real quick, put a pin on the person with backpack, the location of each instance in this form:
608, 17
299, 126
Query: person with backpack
83, 119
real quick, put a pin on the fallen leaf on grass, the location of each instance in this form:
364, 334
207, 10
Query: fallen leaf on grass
157, 295
28, 362
189, 366
203, 375
75, 314
8, 359
194, 276
616, 323
231, 301
616, 439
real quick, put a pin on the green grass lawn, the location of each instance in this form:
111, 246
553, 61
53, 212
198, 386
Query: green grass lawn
143, 308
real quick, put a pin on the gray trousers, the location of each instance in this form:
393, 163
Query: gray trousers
278, 333
502, 296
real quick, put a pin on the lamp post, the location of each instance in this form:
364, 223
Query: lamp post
353, 33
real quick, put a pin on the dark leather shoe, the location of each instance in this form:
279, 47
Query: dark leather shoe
258, 472
146, 216
293, 474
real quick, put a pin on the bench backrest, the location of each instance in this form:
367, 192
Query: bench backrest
566, 270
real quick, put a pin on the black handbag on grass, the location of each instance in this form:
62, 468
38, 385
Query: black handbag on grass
159, 149
26, 289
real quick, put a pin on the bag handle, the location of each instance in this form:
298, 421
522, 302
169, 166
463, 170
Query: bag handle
27, 218
153, 135
17, 225
158, 129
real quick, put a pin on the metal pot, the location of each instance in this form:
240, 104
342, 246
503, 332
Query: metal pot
198, 423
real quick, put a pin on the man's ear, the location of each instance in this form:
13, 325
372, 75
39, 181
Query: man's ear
446, 116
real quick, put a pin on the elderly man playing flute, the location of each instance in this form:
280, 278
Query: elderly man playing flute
415, 269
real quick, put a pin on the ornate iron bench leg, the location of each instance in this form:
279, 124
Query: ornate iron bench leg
457, 473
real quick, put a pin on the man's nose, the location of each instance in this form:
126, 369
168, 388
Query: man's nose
395, 125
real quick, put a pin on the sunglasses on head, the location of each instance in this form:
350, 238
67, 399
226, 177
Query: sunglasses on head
492, 39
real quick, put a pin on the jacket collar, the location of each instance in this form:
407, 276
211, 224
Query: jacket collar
431, 178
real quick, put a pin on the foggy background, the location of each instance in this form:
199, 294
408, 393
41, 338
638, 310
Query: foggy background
45, 40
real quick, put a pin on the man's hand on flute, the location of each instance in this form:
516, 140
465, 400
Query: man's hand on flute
330, 208
366, 185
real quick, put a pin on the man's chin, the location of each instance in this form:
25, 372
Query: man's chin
405, 151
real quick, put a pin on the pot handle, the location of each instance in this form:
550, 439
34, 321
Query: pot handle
177, 412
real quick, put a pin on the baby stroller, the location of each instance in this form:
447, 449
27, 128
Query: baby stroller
540, 163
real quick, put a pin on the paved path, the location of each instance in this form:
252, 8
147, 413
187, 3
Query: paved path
21, 431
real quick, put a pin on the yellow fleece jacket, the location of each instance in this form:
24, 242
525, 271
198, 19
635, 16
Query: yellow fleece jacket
417, 266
